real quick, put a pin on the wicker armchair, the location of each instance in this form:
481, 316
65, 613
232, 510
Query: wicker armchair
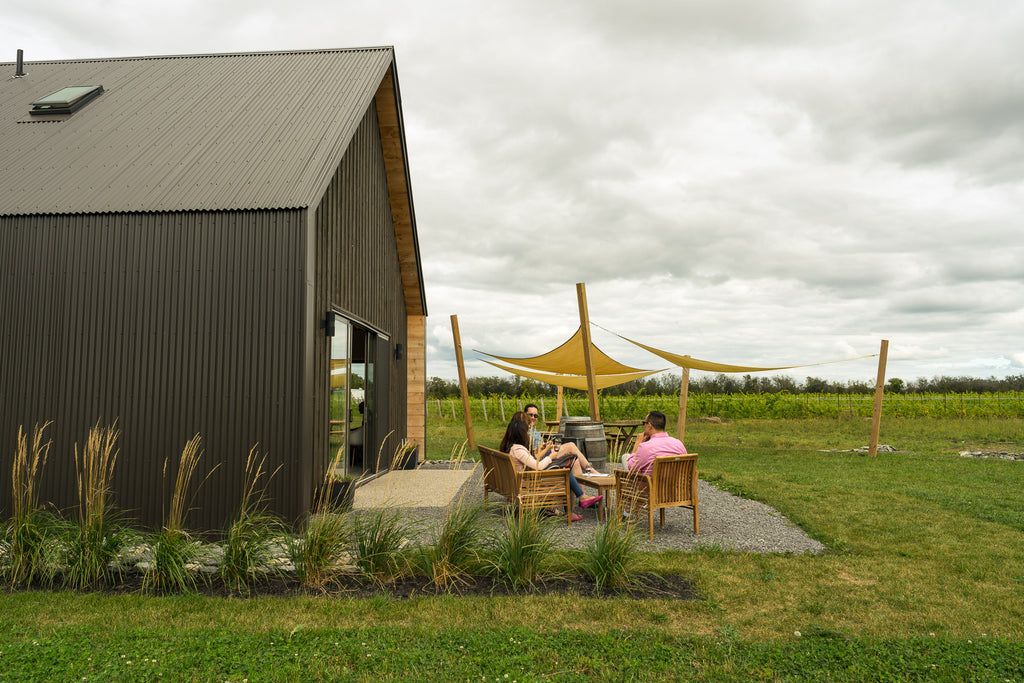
531, 489
672, 483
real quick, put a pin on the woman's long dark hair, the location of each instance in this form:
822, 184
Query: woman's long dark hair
517, 432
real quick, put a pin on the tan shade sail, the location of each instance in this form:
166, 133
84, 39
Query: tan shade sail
575, 381
339, 372
709, 366
568, 359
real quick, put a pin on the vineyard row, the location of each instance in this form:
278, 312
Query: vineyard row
736, 406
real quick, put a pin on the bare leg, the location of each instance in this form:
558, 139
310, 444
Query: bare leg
581, 464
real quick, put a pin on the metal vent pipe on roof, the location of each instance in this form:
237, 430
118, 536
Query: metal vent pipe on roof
20, 68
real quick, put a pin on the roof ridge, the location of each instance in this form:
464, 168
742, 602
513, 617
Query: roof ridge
257, 53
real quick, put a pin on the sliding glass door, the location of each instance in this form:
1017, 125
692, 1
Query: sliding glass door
354, 439
340, 400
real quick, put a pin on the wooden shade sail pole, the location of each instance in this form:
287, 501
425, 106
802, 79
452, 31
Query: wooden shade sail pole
463, 388
876, 415
581, 296
558, 404
684, 394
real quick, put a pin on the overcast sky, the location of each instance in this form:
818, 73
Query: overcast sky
748, 182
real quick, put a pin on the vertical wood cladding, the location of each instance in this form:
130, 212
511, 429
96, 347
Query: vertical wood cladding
416, 380
357, 271
172, 324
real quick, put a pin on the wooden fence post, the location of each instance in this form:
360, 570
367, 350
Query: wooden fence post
876, 415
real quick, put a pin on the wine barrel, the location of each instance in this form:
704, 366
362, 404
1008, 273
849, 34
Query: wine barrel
564, 437
591, 433
566, 419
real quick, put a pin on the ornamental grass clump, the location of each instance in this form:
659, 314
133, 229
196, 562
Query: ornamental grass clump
455, 548
610, 554
454, 551
172, 547
28, 536
379, 536
319, 551
92, 545
248, 548
378, 543
520, 548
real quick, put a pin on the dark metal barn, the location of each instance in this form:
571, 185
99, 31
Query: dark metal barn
222, 245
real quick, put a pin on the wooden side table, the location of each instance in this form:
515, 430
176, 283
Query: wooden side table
604, 484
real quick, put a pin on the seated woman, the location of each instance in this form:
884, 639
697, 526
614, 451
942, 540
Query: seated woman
580, 464
516, 443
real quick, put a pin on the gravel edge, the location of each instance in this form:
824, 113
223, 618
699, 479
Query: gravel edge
727, 522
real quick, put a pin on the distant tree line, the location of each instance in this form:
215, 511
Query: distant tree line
662, 384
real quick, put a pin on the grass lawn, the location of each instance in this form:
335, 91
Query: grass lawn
924, 580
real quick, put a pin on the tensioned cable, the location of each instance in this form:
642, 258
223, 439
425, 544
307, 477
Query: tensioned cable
710, 366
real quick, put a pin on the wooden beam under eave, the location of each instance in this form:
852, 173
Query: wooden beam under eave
400, 213
398, 194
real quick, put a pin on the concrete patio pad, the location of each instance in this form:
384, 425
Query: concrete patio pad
422, 488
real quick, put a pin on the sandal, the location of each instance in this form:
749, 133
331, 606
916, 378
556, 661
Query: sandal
590, 501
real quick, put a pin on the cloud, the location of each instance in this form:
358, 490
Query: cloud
745, 182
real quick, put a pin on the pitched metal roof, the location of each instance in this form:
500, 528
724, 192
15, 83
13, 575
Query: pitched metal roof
181, 133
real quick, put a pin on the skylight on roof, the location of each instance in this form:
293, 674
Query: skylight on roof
66, 100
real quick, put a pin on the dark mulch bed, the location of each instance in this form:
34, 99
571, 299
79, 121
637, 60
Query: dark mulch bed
643, 586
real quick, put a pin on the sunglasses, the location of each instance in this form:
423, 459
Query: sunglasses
533, 415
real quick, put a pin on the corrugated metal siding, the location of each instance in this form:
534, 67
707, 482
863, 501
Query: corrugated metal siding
172, 324
207, 132
358, 269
